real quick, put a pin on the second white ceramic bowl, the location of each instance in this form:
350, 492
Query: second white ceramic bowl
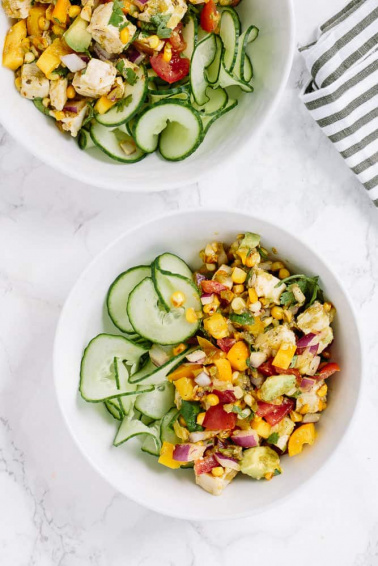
138, 475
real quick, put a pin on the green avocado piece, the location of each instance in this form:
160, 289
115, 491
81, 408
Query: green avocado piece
259, 461
277, 385
77, 37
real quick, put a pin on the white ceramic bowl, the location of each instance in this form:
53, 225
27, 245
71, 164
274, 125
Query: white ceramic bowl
138, 475
272, 57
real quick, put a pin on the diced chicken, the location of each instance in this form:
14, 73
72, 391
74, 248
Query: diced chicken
314, 319
58, 93
73, 122
17, 8
270, 341
176, 9
97, 79
307, 363
215, 485
266, 285
88, 7
108, 36
33, 82
284, 429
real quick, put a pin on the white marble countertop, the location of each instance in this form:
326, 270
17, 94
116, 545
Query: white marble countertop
54, 509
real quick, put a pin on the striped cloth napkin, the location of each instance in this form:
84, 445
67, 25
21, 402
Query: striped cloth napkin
343, 93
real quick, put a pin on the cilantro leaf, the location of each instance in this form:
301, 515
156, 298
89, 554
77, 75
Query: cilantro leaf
277, 472
189, 412
160, 22
117, 16
273, 438
131, 76
287, 298
123, 103
242, 319
308, 285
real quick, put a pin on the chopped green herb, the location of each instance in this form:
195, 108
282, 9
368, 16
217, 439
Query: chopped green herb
123, 103
189, 412
131, 77
242, 319
157, 24
273, 438
117, 16
262, 252
277, 472
308, 285
89, 116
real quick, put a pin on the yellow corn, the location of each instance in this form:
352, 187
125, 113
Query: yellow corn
29, 57
322, 405
283, 273
43, 23
327, 307
288, 315
264, 301
191, 316
59, 115
182, 421
212, 399
25, 44
238, 289
268, 476
277, 313
248, 399
304, 410
17, 83
71, 93
238, 275
295, 417
154, 41
216, 326
179, 349
252, 259
217, 472
322, 391
178, 299
125, 35
58, 30
252, 296
74, 11
277, 265
46, 102
238, 304
200, 418
167, 53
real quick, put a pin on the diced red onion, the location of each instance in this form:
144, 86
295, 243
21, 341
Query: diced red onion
245, 438
202, 379
73, 62
158, 355
313, 349
84, 58
207, 298
199, 277
134, 55
71, 107
311, 418
140, 3
188, 452
196, 356
308, 340
307, 383
227, 462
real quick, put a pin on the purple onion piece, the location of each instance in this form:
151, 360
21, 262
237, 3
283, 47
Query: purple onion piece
188, 452
226, 461
199, 277
307, 383
245, 438
308, 340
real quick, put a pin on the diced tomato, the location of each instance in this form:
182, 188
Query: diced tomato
328, 370
216, 418
289, 371
212, 286
273, 414
226, 344
205, 465
174, 70
267, 368
227, 396
176, 40
209, 17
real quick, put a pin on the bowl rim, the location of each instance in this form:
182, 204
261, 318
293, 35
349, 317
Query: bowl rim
209, 516
53, 160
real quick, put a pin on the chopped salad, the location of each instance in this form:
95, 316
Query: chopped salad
223, 370
130, 76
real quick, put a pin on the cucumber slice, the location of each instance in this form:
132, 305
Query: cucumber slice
146, 420
173, 126
243, 67
114, 116
130, 427
167, 434
156, 404
208, 121
212, 71
218, 99
114, 410
152, 375
226, 79
173, 264
168, 283
247, 72
84, 139
118, 295
99, 380
229, 32
203, 56
152, 443
109, 142
190, 34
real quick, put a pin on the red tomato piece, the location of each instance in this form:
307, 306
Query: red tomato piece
212, 286
174, 70
216, 418
205, 465
176, 40
226, 344
267, 368
273, 414
209, 17
227, 396
289, 371
328, 370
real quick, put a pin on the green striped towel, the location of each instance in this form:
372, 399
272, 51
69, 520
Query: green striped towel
343, 93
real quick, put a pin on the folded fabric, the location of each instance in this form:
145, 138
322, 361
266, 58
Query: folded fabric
342, 95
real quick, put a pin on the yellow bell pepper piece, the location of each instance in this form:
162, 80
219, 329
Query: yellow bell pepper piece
13, 54
216, 326
224, 369
185, 370
50, 58
166, 456
36, 12
60, 12
103, 104
185, 388
305, 434
284, 356
238, 356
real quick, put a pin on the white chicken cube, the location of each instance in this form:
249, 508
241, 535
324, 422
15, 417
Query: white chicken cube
58, 93
326, 337
215, 485
265, 285
33, 82
314, 319
176, 9
96, 80
270, 341
72, 122
311, 399
107, 35
18, 9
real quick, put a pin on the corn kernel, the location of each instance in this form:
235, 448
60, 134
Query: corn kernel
17, 83
125, 35
71, 93
25, 44
182, 421
74, 11
178, 299
322, 405
305, 409
248, 399
327, 307
29, 57
268, 476
200, 418
217, 472
211, 266
179, 349
252, 296
154, 41
238, 304
46, 102
296, 417
322, 391
264, 301
58, 30
167, 53
288, 315
191, 316
252, 259
59, 115
277, 265
238, 289
43, 23
283, 273
277, 313
238, 275
212, 399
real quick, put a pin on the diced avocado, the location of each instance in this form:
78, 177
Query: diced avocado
250, 240
77, 36
259, 461
276, 385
